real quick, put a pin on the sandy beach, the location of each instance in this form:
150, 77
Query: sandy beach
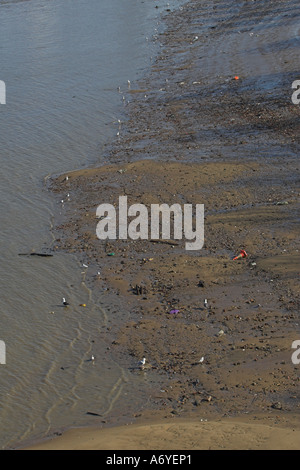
211, 123
231, 434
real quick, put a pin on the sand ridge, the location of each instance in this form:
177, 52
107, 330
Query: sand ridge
227, 434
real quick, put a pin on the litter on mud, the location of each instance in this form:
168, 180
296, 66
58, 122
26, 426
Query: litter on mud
241, 255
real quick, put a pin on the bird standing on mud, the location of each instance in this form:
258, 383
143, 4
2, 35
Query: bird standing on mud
142, 363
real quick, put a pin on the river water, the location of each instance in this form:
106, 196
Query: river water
63, 62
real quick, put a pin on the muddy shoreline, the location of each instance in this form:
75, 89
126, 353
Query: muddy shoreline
224, 134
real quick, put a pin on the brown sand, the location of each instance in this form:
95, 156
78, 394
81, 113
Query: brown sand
235, 152
230, 434
246, 334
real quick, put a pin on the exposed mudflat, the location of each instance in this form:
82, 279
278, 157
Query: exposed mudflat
212, 123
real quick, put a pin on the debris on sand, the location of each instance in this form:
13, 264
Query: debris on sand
241, 255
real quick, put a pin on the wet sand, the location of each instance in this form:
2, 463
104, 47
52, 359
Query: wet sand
196, 134
232, 434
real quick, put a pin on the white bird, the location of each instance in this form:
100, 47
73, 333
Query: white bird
92, 358
65, 303
142, 363
205, 303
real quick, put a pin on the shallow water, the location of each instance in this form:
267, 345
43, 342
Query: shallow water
62, 63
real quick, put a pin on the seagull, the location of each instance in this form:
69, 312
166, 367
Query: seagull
142, 363
92, 358
205, 303
65, 303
